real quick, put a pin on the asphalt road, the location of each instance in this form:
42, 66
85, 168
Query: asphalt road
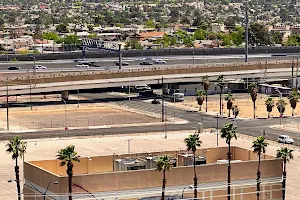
134, 62
253, 127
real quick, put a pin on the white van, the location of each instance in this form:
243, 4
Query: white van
177, 97
285, 139
142, 87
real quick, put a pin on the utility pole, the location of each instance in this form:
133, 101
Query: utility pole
297, 73
7, 107
162, 100
246, 31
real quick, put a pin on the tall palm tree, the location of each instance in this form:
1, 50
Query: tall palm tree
259, 146
192, 142
18, 148
228, 132
293, 97
163, 164
287, 155
253, 90
269, 105
229, 98
221, 84
206, 84
200, 98
67, 156
281, 106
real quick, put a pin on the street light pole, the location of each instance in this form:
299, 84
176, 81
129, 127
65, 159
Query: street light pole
246, 31
193, 58
7, 108
44, 194
217, 129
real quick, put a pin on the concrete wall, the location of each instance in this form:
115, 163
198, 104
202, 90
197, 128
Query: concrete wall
160, 52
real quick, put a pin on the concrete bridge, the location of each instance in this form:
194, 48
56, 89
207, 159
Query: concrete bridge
87, 80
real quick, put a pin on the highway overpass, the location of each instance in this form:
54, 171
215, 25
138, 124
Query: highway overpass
149, 77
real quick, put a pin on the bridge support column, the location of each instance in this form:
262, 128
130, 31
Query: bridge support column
165, 88
65, 95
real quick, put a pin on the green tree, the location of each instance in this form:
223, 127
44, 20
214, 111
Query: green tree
253, 90
228, 132
90, 27
192, 142
71, 39
238, 35
150, 24
286, 155
163, 164
67, 156
293, 98
133, 44
17, 148
281, 106
200, 34
259, 35
269, 105
206, 84
229, 98
62, 28
200, 98
259, 146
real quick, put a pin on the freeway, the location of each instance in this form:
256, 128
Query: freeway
253, 127
134, 62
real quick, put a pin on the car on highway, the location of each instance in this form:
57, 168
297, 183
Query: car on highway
14, 68
159, 61
145, 63
285, 139
39, 67
123, 63
81, 65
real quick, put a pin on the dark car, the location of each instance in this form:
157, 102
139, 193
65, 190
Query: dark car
145, 63
14, 68
123, 63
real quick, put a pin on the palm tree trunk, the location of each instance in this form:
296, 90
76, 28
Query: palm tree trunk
18, 179
200, 107
195, 177
284, 179
206, 102
254, 109
258, 178
293, 111
163, 185
228, 172
70, 177
268, 114
228, 112
220, 102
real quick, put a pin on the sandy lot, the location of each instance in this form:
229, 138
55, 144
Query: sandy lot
244, 102
59, 116
46, 149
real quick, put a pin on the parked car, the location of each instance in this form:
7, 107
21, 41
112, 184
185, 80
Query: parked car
159, 61
81, 65
123, 63
39, 67
155, 101
145, 63
14, 68
285, 139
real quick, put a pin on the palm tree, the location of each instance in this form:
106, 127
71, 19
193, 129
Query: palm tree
192, 142
229, 98
67, 156
221, 84
253, 90
285, 154
259, 146
293, 97
163, 164
269, 105
200, 98
18, 148
281, 106
228, 132
206, 84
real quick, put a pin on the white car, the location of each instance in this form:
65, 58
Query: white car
39, 67
158, 61
285, 139
82, 66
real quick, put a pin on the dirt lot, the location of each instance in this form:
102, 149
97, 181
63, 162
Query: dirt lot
244, 102
57, 117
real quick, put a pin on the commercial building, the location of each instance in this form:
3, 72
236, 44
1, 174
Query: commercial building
133, 176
